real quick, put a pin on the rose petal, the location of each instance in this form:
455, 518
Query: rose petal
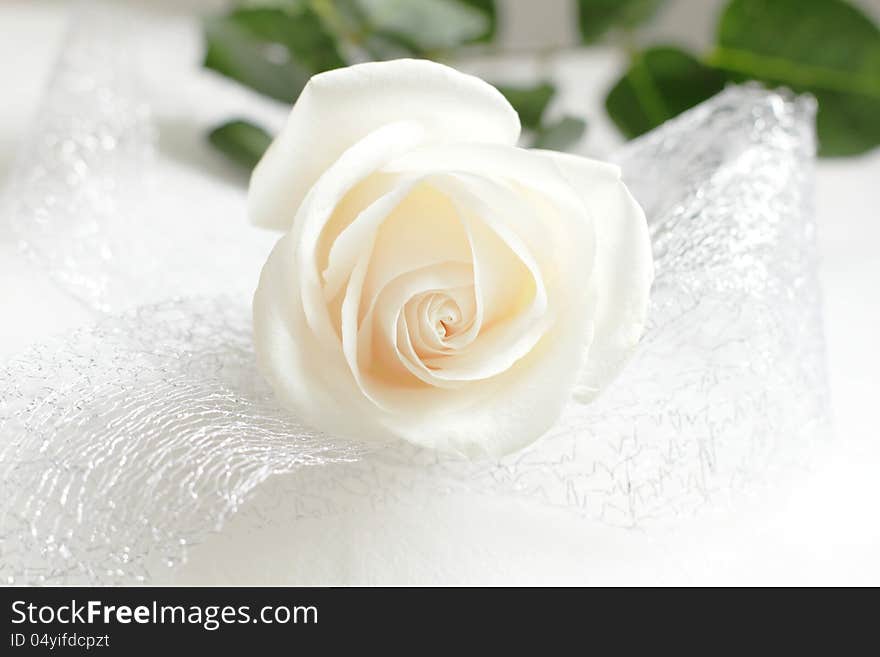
349, 245
505, 274
422, 230
507, 412
324, 123
624, 267
624, 270
558, 218
356, 164
307, 377
380, 327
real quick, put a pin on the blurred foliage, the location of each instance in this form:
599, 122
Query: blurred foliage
275, 46
530, 102
488, 9
559, 135
827, 48
598, 17
824, 47
273, 51
428, 26
241, 141
660, 83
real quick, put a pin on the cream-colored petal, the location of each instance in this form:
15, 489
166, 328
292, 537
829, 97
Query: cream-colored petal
531, 168
500, 415
379, 330
623, 273
370, 345
507, 281
356, 164
349, 245
339, 108
422, 230
560, 208
417, 314
307, 377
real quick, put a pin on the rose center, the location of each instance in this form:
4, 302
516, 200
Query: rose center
445, 316
440, 322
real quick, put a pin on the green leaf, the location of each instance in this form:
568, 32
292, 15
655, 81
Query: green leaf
529, 102
382, 46
273, 51
559, 135
660, 84
488, 9
596, 17
241, 141
825, 47
429, 25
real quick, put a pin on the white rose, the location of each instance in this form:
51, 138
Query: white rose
436, 283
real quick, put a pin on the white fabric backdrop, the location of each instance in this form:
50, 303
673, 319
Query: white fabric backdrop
826, 531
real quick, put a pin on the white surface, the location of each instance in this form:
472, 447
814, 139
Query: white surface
825, 531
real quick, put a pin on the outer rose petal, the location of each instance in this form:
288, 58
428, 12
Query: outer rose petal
623, 271
324, 122
314, 381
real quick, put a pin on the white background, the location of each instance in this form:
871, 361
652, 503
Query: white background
828, 532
